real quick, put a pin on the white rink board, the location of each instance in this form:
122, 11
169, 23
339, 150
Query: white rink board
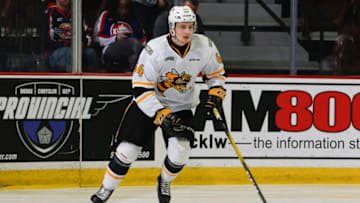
309, 143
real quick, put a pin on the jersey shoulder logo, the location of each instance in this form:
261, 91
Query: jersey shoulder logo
175, 80
148, 49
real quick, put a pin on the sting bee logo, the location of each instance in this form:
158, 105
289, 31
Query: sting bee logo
174, 80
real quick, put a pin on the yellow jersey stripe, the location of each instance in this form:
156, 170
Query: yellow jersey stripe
143, 83
219, 77
144, 97
217, 72
176, 50
187, 49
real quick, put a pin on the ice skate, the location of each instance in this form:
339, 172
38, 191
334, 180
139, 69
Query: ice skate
163, 190
102, 195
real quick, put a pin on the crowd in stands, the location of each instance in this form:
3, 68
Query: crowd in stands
114, 32
59, 33
342, 16
36, 36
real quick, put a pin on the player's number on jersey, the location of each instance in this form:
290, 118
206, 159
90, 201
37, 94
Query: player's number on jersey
139, 69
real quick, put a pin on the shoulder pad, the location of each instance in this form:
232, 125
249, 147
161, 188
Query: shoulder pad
148, 49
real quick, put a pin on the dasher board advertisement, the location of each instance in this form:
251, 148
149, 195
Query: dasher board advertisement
285, 118
53, 118
45, 118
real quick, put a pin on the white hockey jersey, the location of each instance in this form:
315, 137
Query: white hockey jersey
170, 77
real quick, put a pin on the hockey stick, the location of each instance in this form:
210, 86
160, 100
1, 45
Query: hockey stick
114, 137
227, 132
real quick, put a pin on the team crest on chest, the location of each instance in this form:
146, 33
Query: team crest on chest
121, 27
66, 31
174, 80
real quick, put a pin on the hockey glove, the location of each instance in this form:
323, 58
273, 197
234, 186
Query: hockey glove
161, 115
169, 122
215, 97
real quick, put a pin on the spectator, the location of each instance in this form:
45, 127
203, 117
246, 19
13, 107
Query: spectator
120, 34
59, 38
92, 10
161, 24
5, 8
147, 11
347, 55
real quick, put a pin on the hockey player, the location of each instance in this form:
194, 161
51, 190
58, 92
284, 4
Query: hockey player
163, 84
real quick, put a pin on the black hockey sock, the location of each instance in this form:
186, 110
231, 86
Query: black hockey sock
171, 167
118, 167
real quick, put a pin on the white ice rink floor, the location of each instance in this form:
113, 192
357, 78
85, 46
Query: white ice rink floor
194, 194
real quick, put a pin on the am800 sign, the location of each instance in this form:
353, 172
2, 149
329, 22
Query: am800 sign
296, 110
286, 118
326, 105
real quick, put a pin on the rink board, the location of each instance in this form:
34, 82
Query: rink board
288, 129
189, 176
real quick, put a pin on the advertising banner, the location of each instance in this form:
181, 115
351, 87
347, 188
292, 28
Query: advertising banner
40, 118
55, 118
285, 118
110, 99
